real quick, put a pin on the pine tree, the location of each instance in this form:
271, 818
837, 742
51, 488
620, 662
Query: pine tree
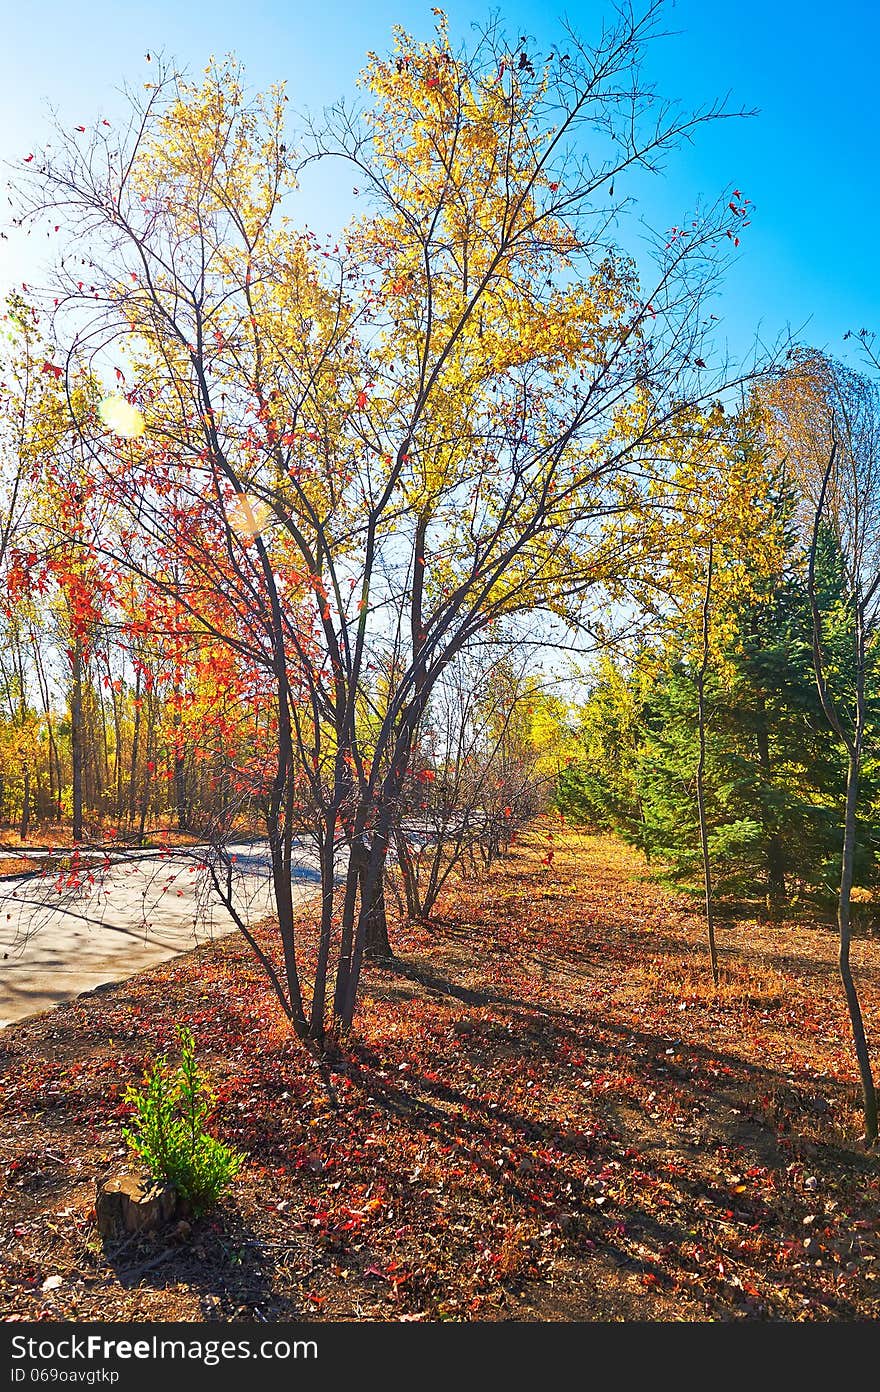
774, 780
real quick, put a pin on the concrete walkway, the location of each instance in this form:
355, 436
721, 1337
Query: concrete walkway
144, 909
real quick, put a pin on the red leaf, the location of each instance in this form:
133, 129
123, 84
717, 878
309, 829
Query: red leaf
28, 159
81, 129
362, 400
55, 371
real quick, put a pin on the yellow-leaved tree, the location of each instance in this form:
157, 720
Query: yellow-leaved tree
365, 452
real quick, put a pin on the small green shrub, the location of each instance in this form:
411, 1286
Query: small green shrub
168, 1129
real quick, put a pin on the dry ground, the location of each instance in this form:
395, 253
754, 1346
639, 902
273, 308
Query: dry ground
547, 1113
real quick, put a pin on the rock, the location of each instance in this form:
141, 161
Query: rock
131, 1204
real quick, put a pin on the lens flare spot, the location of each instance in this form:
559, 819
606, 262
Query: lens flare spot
248, 516
121, 417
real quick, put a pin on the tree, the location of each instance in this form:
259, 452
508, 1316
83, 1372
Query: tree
601, 782
36, 446
826, 420
702, 670
364, 454
773, 781
708, 536
484, 766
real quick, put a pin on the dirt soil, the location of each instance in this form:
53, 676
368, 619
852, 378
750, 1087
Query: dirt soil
547, 1112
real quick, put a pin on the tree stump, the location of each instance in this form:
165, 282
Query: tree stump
131, 1203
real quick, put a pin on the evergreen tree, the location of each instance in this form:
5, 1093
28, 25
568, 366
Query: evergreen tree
774, 779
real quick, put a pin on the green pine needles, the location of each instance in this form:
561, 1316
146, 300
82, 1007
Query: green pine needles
168, 1129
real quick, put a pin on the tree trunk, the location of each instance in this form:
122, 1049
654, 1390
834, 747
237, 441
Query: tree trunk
370, 873
356, 855
117, 748
180, 806
773, 854
409, 876
852, 743
319, 993
148, 780
701, 767
180, 791
869, 1094
54, 796
76, 739
104, 776
135, 741
55, 780
25, 824
283, 893
377, 947
704, 842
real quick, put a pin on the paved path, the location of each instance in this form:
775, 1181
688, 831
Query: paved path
143, 910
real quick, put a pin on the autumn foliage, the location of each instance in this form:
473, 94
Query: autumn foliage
282, 513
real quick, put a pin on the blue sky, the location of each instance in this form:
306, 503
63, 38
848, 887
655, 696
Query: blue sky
808, 160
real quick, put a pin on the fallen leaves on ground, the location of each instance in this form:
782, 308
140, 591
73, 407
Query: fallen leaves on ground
546, 1112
